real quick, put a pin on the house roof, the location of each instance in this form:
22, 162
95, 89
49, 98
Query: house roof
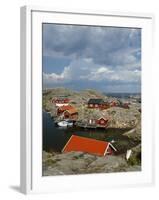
103, 118
63, 108
89, 145
95, 101
60, 98
71, 110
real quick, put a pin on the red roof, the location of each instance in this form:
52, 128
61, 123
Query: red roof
68, 107
77, 143
71, 111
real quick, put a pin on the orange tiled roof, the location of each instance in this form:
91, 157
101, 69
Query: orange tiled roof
68, 107
71, 110
77, 143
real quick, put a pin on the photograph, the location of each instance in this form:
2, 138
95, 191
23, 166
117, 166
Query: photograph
91, 99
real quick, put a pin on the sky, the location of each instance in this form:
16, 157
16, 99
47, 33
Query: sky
107, 59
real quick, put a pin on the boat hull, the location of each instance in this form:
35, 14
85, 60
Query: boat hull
64, 124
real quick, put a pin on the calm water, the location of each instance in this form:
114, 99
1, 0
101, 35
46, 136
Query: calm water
54, 138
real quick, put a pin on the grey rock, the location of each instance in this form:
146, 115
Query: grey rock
83, 163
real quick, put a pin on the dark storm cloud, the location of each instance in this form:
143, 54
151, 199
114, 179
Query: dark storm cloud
104, 45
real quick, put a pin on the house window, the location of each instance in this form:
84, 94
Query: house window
96, 105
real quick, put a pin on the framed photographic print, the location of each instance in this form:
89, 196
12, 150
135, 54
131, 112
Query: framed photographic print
86, 93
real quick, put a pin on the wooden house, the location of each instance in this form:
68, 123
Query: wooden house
71, 114
104, 106
63, 108
95, 103
89, 145
60, 101
102, 122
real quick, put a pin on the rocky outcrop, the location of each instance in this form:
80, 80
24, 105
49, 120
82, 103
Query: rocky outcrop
121, 118
83, 163
135, 133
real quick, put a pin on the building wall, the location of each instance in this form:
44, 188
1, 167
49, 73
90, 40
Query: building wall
101, 106
94, 105
102, 122
73, 116
110, 151
60, 101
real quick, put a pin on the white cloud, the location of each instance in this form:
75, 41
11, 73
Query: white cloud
87, 70
55, 78
99, 74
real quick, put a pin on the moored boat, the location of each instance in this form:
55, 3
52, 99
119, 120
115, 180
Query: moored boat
65, 123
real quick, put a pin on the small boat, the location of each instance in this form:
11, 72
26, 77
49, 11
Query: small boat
62, 124
69, 122
65, 123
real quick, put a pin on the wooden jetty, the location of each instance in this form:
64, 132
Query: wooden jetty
87, 125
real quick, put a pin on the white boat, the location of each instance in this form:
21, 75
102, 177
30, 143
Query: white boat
65, 123
62, 124
69, 122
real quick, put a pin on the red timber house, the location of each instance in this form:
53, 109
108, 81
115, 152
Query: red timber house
68, 112
89, 145
100, 122
61, 109
71, 114
96, 103
59, 101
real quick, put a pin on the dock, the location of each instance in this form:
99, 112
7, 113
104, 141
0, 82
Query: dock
91, 126
86, 125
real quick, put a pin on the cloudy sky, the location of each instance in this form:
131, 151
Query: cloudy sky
102, 58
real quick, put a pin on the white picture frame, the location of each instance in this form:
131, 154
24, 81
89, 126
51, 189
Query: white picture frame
31, 100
